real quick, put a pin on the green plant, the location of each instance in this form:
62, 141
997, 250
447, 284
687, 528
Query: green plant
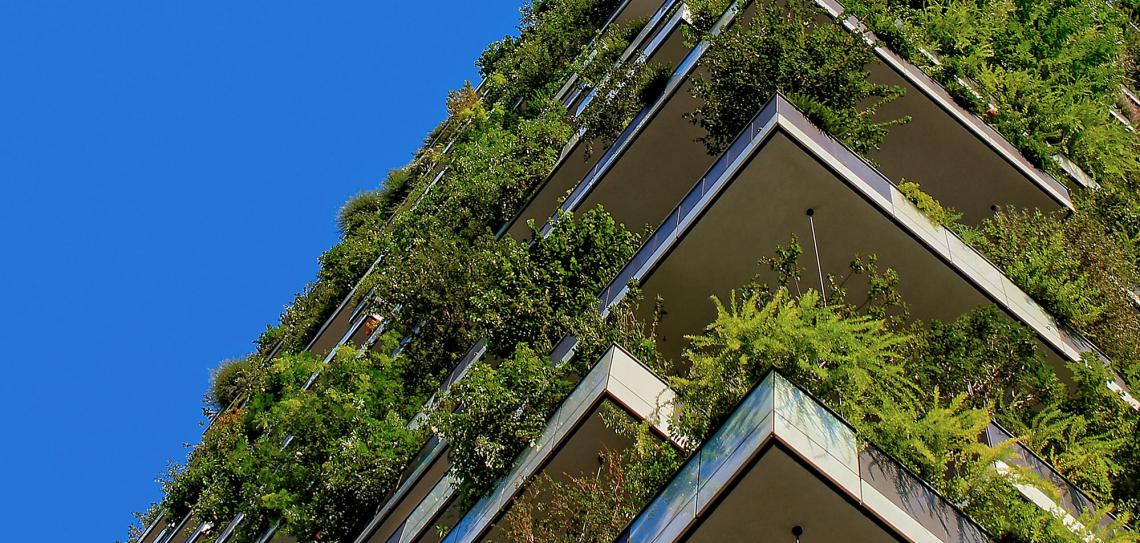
1075, 269
985, 357
541, 292
628, 88
837, 355
704, 13
227, 383
348, 441
596, 507
819, 67
853, 364
1044, 73
552, 34
493, 413
929, 207
367, 208
620, 88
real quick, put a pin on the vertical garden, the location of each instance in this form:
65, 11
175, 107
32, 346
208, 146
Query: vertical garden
314, 446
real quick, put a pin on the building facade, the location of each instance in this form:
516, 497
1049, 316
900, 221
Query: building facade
639, 96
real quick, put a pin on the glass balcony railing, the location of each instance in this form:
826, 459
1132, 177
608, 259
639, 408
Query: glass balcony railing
228, 531
616, 377
579, 94
778, 411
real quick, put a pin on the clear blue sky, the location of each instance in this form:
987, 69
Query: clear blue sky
170, 172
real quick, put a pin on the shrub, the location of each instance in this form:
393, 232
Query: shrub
985, 357
492, 414
227, 383
852, 364
1046, 71
348, 444
1073, 268
837, 356
552, 34
929, 207
705, 13
597, 507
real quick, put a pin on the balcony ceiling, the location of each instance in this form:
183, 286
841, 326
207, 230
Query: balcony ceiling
777, 493
578, 456
763, 207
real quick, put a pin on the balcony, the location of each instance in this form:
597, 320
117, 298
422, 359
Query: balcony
781, 460
955, 156
158, 529
757, 195
660, 42
424, 474
573, 438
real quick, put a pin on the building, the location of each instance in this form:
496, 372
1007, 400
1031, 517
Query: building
782, 464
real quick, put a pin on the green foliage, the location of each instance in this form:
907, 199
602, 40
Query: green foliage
542, 292
495, 167
365, 209
552, 34
493, 413
853, 364
929, 207
453, 291
838, 356
1089, 435
349, 443
227, 383
596, 334
1046, 72
621, 89
1076, 270
706, 12
340, 268
819, 67
985, 357
630, 88
596, 507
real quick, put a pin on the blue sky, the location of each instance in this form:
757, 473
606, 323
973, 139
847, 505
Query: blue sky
170, 172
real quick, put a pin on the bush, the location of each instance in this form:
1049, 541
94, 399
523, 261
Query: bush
349, 444
596, 508
552, 34
1076, 270
929, 207
985, 357
852, 364
1047, 71
227, 383
493, 414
